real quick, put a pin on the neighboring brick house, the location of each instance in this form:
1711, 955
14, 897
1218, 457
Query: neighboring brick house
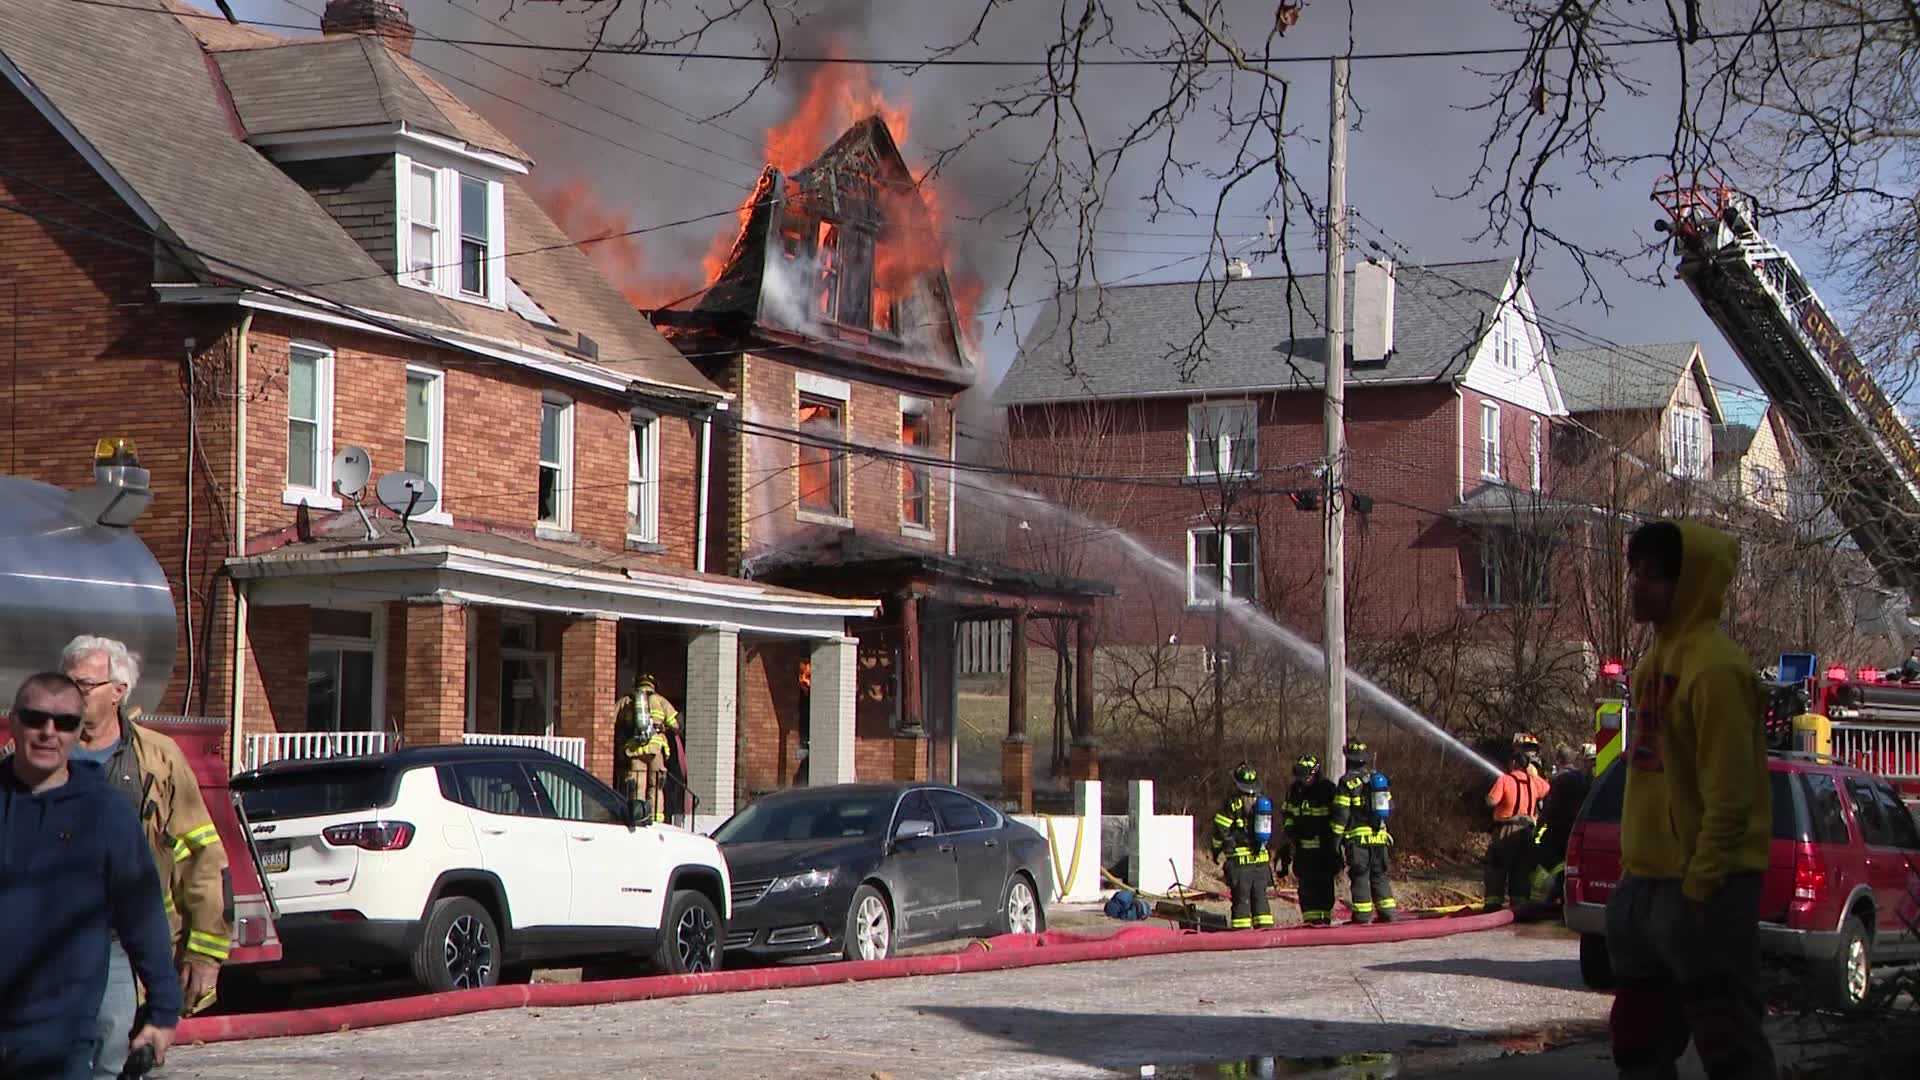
833, 325
311, 242
1755, 463
1450, 401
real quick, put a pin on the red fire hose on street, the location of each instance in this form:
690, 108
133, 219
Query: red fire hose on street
994, 954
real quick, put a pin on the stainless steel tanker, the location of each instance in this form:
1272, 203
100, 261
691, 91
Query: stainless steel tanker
70, 565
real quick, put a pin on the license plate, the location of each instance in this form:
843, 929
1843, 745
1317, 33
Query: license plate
274, 860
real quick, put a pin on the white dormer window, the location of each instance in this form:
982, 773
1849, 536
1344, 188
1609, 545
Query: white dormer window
1687, 443
451, 224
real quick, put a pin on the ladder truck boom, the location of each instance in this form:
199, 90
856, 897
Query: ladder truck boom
1787, 337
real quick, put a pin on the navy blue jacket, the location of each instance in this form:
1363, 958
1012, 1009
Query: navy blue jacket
74, 865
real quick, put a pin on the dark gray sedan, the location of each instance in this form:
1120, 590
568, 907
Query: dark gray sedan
862, 869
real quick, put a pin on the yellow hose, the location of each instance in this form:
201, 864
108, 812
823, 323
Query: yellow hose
1079, 834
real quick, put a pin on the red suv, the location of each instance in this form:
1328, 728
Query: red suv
1842, 887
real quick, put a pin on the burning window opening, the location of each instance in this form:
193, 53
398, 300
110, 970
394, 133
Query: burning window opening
823, 470
916, 478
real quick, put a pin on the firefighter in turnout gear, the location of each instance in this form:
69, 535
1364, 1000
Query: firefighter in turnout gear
1307, 820
643, 729
1241, 849
1361, 802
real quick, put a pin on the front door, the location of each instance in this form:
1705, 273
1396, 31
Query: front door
519, 844
927, 873
526, 693
616, 880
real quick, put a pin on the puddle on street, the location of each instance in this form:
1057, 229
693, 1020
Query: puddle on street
1341, 1067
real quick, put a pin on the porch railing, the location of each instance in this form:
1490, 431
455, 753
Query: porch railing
572, 749
1889, 750
311, 745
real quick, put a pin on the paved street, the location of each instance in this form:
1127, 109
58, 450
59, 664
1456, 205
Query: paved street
1075, 1020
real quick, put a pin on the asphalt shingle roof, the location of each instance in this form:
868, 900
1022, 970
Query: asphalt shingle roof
1129, 341
1632, 377
138, 90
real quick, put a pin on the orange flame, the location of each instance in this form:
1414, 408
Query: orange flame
840, 96
600, 231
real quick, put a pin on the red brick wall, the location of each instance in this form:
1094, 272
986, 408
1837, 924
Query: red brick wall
587, 691
276, 697
771, 715
435, 678
1515, 443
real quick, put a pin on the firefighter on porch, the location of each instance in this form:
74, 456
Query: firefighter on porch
1362, 801
1307, 821
1242, 831
642, 729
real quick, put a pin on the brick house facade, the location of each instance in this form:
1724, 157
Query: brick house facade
170, 279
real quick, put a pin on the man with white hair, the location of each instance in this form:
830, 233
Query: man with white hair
150, 770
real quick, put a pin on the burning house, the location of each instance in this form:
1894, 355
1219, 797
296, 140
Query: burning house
833, 321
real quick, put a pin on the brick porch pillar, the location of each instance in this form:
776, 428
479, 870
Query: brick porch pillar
831, 712
588, 688
711, 718
435, 678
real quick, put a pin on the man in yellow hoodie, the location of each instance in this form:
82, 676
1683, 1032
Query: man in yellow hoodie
1683, 924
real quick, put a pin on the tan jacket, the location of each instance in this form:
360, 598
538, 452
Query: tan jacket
186, 847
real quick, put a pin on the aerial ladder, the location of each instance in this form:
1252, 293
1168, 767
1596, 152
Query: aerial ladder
1852, 434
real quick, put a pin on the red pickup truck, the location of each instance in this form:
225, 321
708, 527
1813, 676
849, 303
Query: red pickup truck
1842, 889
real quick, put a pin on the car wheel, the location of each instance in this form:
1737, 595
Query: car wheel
1596, 967
1020, 911
1848, 974
689, 935
460, 949
869, 926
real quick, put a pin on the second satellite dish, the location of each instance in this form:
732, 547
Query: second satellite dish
406, 493
351, 468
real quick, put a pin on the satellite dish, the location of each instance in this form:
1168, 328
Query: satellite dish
406, 494
351, 468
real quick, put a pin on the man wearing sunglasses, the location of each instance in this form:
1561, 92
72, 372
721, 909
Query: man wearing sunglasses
74, 868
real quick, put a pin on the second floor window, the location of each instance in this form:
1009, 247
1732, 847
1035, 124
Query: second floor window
823, 468
916, 478
643, 480
1220, 564
1686, 449
556, 463
1490, 440
1222, 439
423, 423
309, 421
1534, 464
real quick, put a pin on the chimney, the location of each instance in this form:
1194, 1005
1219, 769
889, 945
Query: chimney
1238, 270
1372, 311
387, 18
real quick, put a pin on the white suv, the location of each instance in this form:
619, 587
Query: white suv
468, 863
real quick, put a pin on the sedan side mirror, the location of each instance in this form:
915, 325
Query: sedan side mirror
910, 829
638, 812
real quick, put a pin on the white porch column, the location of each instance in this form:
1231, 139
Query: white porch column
830, 704
713, 691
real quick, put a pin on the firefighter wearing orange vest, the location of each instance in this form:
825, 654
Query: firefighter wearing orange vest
1515, 800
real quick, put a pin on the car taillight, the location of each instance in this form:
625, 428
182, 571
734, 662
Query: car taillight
371, 835
1809, 877
1575, 841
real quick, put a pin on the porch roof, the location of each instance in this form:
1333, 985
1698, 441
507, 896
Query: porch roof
339, 565
1506, 506
860, 562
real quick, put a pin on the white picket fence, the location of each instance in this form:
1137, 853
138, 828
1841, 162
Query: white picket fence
313, 745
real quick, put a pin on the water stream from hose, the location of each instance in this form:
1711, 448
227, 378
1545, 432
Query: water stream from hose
1020, 504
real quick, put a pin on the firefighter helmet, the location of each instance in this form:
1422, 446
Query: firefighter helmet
1305, 766
644, 682
1246, 779
1356, 753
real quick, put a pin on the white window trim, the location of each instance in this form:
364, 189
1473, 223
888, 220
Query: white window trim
817, 386
913, 406
1490, 448
1536, 467
321, 495
806, 382
1235, 468
643, 428
446, 259
1194, 599
437, 433
564, 438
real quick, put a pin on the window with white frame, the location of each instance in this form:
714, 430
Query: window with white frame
1502, 344
1534, 467
1213, 572
1510, 569
556, 463
425, 402
451, 228
309, 423
1766, 484
342, 677
916, 477
1222, 439
643, 479
1490, 440
1687, 442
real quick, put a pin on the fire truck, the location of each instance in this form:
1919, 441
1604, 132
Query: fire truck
71, 564
1850, 431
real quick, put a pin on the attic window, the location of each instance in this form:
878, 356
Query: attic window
844, 257
451, 230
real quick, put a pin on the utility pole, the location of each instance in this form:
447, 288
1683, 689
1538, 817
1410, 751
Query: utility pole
1334, 599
